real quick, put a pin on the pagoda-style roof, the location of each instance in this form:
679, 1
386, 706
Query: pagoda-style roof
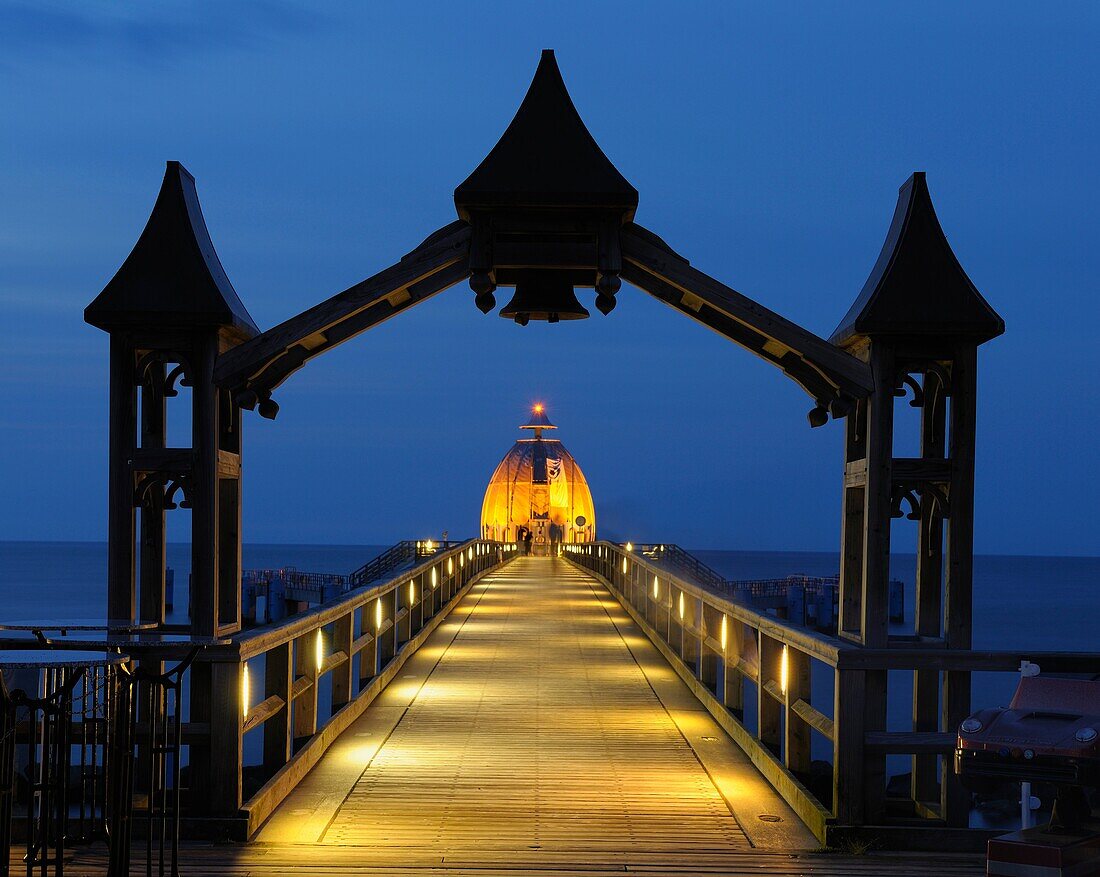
917, 286
173, 276
538, 419
546, 158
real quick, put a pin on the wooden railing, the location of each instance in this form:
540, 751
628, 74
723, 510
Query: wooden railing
269, 681
752, 671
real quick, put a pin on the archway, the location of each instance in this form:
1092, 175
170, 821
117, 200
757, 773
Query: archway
546, 212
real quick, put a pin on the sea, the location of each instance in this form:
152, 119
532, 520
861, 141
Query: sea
1020, 602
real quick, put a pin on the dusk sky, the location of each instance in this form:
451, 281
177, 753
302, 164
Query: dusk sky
767, 143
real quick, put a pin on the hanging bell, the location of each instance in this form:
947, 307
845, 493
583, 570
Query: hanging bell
544, 295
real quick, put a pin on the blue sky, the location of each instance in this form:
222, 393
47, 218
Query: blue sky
767, 142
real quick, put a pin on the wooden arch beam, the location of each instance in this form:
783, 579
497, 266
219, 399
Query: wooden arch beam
253, 369
832, 377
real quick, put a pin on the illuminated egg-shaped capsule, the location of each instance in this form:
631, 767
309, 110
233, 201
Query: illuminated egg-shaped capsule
539, 486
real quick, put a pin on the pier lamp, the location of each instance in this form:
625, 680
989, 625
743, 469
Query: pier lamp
319, 649
435, 577
629, 546
656, 586
723, 634
450, 565
412, 593
246, 691
783, 671
377, 614
681, 605
624, 566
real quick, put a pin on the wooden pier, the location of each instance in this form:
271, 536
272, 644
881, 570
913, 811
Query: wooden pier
537, 730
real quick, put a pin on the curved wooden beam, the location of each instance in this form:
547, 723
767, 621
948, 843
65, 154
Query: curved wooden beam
253, 369
832, 377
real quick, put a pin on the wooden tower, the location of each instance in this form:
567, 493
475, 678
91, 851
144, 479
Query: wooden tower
170, 311
918, 323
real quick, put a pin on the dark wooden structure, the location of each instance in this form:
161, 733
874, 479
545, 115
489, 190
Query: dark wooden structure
547, 212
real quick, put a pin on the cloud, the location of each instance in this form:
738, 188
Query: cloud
149, 31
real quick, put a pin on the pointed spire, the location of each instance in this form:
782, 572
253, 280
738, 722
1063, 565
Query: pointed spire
917, 286
546, 158
173, 276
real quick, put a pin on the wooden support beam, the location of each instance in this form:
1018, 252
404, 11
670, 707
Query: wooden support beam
655, 268
796, 732
443, 256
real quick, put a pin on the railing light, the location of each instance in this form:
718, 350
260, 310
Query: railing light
624, 565
320, 649
629, 546
435, 577
681, 607
412, 593
450, 565
656, 587
783, 671
246, 692
723, 636
378, 614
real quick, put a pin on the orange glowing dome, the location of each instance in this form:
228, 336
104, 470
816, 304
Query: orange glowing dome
538, 485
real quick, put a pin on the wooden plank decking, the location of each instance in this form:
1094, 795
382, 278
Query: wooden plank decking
537, 731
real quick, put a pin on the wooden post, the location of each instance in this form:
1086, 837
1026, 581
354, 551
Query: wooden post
279, 681
848, 736
342, 691
223, 786
121, 592
927, 610
874, 629
153, 561
796, 731
768, 709
305, 704
204, 491
960, 563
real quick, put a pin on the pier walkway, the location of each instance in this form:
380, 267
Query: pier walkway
537, 731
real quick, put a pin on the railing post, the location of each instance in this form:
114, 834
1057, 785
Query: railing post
767, 707
305, 704
278, 681
796, 745
848, 736
733, 687
226, 737
341, 676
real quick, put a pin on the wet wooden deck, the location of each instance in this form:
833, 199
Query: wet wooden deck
537, 731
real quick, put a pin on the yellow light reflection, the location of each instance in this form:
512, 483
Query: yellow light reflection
783, 671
